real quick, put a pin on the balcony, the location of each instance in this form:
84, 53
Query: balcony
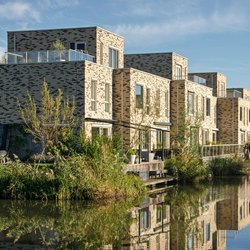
47, 56
197, 79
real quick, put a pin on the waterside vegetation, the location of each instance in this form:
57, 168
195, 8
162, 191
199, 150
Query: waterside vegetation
71, 165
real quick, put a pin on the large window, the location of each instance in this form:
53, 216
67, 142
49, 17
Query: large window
222, 90
166, 103
113, 58
208, 106
93, 95
194, 136
148, 101
241, 113
158, 102
100, 131
139, 96
78, 46
190, 103
107, 97
144, 220
208, 232
178, 71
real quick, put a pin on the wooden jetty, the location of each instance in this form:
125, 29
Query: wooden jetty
152, 173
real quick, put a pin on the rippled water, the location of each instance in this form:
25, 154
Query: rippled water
213, 216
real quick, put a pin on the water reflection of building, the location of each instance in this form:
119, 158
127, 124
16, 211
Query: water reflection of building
234, 213
151, 225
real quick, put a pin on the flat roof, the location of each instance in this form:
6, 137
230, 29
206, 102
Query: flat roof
152, 53
70, 28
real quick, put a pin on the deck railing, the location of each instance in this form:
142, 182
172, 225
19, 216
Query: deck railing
221, 149
46, 56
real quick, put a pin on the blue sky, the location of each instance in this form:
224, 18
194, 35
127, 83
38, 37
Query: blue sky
213, 34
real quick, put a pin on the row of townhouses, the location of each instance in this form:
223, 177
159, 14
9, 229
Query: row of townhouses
140, 96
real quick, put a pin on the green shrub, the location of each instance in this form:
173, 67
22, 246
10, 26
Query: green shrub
97, 173
187, 166
227, 166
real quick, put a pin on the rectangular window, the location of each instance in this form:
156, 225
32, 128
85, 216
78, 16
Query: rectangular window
161, 139
144, 219
194, 136
144, 139
190, 103
166, 103
113, 58
159, 213
208, 105
208, 232
241, 113
107, 97
100, 131
93, 95
157, 102
139, 96
222, 90
101, 53
78, 46
148, 101
178, 73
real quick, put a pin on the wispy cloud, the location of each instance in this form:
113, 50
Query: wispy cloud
182, 19
19, 11
53, 4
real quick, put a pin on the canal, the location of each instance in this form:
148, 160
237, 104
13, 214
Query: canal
211, 216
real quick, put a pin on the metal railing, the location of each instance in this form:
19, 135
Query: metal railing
47, 56
221, 149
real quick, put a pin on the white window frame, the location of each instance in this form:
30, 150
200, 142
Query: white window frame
93, 95
107, 97
111, 57
85, 46
190, 103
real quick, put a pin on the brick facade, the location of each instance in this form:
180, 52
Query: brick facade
215, 80
125, 111
97, 41
198, 115
161, 64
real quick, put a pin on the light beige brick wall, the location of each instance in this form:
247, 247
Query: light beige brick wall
125, 110
161, 64
106, 40
179, 104
215, 80
233, 129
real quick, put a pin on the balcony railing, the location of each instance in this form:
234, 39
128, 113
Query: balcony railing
46, 56
220, 150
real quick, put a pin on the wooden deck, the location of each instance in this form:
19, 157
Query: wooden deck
145, 166
156, 181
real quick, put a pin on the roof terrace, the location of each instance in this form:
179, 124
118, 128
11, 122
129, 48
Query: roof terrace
47, 56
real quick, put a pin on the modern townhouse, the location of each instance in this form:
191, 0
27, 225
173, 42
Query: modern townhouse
83, 71
234, 116
192, 102
142, 109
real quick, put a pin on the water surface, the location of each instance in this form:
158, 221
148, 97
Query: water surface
212, 216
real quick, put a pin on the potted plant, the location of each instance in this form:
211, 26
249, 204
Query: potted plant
132, 155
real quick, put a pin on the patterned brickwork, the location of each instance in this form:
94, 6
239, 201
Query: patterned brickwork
234, 120
215, 80
97, 41
125, 109
74, 78
179, 108
161, 64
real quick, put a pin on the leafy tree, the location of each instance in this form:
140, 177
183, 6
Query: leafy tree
52, 120
58, 45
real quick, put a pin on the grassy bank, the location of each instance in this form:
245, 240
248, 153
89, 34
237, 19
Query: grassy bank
229, 166
94, 172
